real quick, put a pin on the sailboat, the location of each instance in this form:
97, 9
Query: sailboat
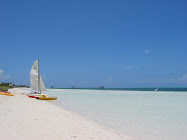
36, 79
157, 89
37, 83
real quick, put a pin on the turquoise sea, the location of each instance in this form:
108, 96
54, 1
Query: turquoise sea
140, 112
135, 89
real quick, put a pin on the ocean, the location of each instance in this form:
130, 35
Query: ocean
140, 113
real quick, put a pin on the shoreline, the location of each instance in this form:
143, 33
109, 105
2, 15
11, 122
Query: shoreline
26, 118
94, 122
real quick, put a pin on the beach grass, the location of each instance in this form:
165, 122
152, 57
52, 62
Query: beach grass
4, 87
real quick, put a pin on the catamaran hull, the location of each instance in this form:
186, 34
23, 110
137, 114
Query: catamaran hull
32, 96
46, 98
36, 95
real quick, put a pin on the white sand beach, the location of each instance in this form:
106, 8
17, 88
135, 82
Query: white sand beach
24, 118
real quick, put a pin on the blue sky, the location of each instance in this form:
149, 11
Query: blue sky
126, 43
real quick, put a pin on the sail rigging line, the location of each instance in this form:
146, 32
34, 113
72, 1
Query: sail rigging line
38, 77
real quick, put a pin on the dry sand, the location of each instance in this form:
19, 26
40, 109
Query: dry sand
23, 118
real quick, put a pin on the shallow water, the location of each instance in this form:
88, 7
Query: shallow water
143, 115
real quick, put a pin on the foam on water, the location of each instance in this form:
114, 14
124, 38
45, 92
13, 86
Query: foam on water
143, 115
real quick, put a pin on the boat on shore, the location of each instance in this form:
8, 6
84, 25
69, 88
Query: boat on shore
6, 93
43, 97
37, 83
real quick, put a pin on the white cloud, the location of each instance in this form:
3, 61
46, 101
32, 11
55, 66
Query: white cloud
182, 78
2, 76
147, 51
109, 79
130, 67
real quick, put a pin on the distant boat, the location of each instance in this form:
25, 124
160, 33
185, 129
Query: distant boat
157, 89
73, 86
101, 87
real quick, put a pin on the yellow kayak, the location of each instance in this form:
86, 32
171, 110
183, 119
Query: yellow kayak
46, 98
43, 97
8, 94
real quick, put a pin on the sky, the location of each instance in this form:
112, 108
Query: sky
115, 43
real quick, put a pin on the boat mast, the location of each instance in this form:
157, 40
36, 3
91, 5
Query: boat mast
38, 78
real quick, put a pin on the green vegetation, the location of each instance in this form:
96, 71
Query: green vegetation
4, 86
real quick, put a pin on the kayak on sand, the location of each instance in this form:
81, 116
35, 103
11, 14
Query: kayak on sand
43, 97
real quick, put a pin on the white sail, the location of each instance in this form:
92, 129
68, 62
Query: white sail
35, 78
42, 86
